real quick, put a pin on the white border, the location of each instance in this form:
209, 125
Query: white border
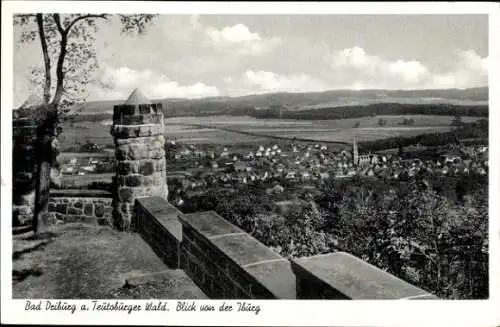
273, 313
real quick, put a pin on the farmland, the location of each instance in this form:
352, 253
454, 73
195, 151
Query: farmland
202, 130
318, 130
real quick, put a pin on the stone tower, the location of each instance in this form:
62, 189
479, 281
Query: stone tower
140, 155
355, 154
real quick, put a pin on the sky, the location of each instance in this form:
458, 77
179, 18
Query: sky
194, 56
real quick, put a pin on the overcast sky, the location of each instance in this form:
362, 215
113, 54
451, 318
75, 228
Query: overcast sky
198, 56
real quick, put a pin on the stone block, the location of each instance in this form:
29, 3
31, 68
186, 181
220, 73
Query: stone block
61, 208
133, 131
133, 180
70, 218
51, 207
121, 181
74, 211
88, 210
344, 275
146, 167
157, 154
99, 210
126, 167
78, 204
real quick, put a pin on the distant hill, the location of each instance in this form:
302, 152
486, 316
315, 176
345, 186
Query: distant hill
301, 101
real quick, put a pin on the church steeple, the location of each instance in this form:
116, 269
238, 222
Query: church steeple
355, 153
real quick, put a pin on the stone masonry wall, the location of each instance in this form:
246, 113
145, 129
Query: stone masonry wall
140, 159
91, 210
227, 263
158, 224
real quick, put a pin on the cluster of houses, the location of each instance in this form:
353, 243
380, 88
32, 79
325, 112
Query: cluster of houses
87, 165
275, 165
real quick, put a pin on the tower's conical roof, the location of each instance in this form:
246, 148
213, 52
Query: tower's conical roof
136, 98
31, 101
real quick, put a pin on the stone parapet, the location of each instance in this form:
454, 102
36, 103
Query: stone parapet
158, 224
227, 263
341, 275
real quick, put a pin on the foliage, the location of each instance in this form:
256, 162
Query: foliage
382, 122
69, 55
409, 228
407, 121
474, 130
416, 234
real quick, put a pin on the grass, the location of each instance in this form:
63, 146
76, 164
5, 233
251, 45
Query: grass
77, 261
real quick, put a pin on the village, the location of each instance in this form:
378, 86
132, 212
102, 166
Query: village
193, 169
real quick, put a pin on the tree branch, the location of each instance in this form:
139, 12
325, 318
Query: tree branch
102, 16
60, 28
60, 64
46, 59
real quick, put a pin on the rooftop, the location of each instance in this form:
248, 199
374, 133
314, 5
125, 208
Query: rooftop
136, 98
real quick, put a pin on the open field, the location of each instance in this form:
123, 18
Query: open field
83, 180
71, 155
208, 129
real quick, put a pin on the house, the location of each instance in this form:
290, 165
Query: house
240, 166
88, 168
324, 175
275, 189
67, 170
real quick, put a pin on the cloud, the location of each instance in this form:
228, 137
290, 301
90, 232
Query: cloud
356, 67
118, 83
468, 70
236, 33
239, 40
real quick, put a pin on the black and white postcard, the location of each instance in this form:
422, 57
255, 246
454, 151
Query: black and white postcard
170, 163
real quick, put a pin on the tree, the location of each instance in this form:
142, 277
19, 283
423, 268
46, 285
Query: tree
357, 124
69, 61
382, 122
